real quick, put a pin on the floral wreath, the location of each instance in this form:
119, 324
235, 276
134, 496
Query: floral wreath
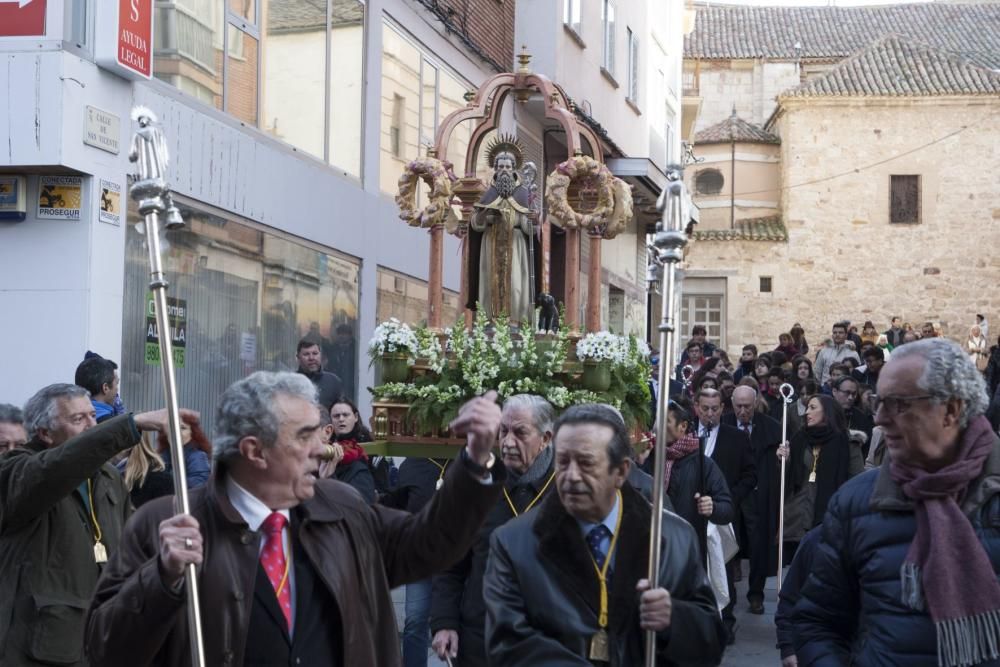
435, 174
577, 168
624, 209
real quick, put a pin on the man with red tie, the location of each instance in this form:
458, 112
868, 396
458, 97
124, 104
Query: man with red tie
293, 570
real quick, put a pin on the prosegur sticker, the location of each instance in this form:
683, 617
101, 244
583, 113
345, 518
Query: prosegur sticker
111, 203
59, 197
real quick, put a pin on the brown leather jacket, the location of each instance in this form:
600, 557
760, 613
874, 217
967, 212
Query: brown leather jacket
360, 553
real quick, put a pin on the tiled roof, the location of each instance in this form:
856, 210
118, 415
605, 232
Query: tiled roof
735, 128
970, 30
770, 228
895, 66
309, 15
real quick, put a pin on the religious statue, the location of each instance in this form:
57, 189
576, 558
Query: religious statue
503, 240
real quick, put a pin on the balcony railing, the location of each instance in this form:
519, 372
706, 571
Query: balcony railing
180, 34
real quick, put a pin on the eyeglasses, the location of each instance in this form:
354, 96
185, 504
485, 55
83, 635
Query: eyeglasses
896, 405
852, 394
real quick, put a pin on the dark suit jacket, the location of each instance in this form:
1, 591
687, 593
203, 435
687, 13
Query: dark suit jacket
316, 637
734, 456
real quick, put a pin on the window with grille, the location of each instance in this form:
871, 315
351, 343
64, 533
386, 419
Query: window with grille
709, 182
904, 199
765, 284
703, 309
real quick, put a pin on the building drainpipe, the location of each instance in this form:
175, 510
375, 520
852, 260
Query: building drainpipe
732, 171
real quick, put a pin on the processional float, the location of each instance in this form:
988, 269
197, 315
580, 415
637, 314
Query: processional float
151, 192
610, 211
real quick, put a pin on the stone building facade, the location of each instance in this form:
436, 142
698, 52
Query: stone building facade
888, 199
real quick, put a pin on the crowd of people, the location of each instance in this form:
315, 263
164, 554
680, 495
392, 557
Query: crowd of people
531, 545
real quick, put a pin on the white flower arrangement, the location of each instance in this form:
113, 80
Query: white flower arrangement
393, 337
602, 346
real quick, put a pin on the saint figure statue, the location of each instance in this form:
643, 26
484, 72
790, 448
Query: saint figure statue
502, 239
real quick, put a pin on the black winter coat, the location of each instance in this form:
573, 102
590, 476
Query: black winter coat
687, 478
457, 597
542, 594
867, 531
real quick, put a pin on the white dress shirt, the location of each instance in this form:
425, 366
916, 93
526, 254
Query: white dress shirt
254, 512
710, 436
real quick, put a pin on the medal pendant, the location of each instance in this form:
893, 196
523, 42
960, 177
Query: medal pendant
100, 553
599, 646
812, 477
439, 484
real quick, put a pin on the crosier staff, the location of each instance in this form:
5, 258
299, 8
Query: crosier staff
787, 391
152, 193
668, 241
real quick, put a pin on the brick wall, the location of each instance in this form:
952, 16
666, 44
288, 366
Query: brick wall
487, 24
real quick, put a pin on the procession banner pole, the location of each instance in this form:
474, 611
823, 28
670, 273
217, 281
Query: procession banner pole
787, 391
152, 194
669, 241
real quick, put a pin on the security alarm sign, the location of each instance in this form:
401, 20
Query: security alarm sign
125, 37
19, 18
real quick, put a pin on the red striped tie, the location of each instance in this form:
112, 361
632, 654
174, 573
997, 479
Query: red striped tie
275, 564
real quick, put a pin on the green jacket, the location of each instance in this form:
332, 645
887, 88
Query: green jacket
47, 540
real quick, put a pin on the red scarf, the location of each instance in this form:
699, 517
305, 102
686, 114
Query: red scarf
676, 451
352, 452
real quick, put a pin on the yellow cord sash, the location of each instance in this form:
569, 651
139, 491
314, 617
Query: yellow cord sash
602, 572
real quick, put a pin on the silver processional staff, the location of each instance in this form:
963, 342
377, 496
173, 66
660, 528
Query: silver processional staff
152, 194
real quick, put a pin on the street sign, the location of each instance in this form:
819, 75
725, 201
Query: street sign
19, 18
124, 41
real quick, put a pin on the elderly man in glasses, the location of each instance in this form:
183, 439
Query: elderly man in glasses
913, 548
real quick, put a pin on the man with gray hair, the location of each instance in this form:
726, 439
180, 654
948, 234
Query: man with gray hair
62, 510
458, 614
913, 548
12, 433
293, 569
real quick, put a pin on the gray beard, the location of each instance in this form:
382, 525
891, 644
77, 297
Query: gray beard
504, 183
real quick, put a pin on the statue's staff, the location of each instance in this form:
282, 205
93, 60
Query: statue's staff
152, 194
787, 391
530, 172
669, 241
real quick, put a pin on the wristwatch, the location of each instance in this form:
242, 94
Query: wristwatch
475, 468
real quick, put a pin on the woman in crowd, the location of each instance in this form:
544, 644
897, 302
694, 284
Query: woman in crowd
787, 346
819, 463
707, 371
976, 345
349, 433
799, 338
882, 343
689, 475
869, 334
197, 449
803, 370
144, 473
761, 369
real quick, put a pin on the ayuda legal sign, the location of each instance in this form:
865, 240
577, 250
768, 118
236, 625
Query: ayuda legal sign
125, 37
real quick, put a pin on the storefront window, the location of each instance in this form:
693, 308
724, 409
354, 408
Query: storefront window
248, 296
273, 74
417, 94
406, 298
187, 47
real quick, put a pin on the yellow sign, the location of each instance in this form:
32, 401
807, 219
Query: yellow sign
59, 197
